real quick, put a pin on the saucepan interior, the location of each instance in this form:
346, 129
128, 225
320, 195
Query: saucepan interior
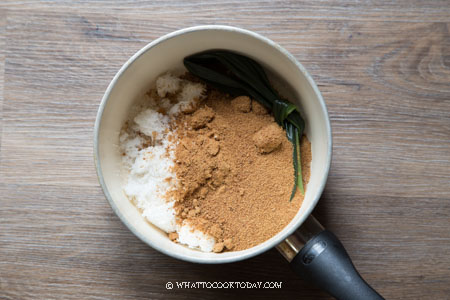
167, 53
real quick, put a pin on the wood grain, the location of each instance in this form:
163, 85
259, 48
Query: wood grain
383, 69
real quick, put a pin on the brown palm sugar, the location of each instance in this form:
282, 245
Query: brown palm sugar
235, 172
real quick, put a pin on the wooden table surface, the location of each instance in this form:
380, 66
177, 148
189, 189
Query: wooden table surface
383, 69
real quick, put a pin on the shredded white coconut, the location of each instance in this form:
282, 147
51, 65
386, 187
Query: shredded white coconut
150, 121
167, 84
130, 146
190, 94
195, 238
148, 165
147, 185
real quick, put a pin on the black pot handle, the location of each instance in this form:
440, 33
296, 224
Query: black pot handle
320, 258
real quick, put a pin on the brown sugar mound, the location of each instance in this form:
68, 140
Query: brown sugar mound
242, 104
258, 109
212, 147
227, 187
201, 117
269, 138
